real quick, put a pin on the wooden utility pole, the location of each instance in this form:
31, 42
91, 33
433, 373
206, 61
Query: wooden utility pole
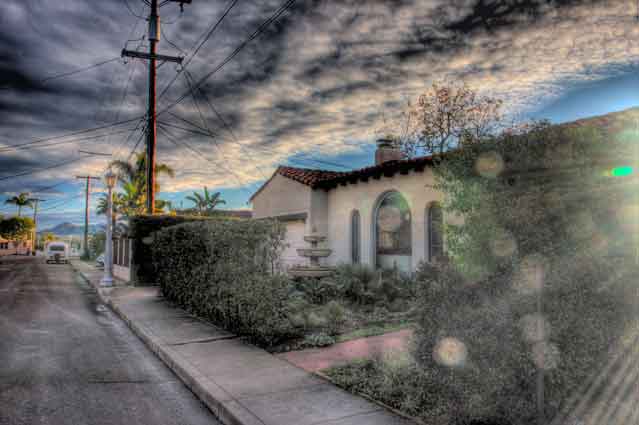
86, 213
35, 223
152, 56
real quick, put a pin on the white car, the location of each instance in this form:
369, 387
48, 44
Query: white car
99, 262
57, 252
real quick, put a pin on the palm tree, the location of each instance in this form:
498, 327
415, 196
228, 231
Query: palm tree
20, 201
206, 203
132, 177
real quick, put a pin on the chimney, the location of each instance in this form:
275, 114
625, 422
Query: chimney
386, 151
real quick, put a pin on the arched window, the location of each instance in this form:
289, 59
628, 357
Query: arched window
355, 238
435, 232
393, 232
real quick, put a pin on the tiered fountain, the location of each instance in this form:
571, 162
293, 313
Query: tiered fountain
315, 269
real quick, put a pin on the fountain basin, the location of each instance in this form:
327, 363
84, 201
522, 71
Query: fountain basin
314, 238
301, 271
314, 252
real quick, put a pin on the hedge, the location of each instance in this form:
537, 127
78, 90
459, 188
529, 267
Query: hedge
226, 271
141, 230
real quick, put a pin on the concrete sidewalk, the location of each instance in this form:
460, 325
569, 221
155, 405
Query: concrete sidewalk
240, 383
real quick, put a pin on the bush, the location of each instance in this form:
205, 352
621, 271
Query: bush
335, 317
318, 291
142, 229
316, 340
479, 344
356, 283
226, 271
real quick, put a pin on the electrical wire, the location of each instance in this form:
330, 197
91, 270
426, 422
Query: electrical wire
175, 141
131, 10
64, 142
235, 52
37, 170
225, 124
74, 133
67, 74
201, 41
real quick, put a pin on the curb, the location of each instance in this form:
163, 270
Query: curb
224, 407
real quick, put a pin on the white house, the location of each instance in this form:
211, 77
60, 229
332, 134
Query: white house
387, 215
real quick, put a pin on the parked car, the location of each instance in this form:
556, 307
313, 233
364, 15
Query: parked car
57, 252
99, 262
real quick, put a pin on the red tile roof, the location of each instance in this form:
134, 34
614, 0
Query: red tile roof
325, 179
307, 176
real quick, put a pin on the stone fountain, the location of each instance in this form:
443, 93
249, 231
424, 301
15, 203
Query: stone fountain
314, 253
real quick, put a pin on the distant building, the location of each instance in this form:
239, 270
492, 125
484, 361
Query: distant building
11, 247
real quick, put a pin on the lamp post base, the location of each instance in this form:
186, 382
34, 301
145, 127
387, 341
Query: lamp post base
106, 281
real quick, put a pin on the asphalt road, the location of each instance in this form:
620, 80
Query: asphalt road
66, 359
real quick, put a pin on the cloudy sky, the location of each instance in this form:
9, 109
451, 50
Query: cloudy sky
310, 91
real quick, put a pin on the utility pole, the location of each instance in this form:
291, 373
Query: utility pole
35, 222
153, 57
86, 213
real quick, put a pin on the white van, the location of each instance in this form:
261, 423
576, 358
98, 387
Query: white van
57, 252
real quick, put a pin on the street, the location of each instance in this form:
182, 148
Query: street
66, 359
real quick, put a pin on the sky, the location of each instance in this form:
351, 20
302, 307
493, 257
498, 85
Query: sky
311, 91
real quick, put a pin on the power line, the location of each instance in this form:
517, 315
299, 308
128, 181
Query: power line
126, 3
235, 52
37, 170
64, 142
225, 124
75, 133
174, 140
67, 74
204, 38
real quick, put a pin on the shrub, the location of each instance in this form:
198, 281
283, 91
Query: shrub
142, 229
318, 291
334, 317
225, 271
316, 340
478, 345
355, 283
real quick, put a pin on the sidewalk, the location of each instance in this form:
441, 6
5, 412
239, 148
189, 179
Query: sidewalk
241, 384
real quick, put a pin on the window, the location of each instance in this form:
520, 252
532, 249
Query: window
355, 238
393, 232
4, 245
435, 232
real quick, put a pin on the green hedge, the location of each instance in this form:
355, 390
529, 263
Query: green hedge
225, 271
141, 230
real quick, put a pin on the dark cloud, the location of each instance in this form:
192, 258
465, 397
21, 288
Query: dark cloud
324, 72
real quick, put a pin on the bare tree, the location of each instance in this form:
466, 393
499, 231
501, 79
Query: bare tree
447, 116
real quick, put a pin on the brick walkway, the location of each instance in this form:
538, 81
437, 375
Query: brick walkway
316, 359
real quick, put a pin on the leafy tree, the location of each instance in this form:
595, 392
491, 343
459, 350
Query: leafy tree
21, 200
206, 204
16, 228
446, 117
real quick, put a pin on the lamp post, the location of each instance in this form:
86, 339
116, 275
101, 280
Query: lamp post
107, 280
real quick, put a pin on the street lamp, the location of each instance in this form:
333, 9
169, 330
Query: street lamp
107, 280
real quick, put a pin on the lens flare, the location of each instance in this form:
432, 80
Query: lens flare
489, 164
450, 352
530, 276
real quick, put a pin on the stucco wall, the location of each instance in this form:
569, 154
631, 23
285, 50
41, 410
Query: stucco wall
281, 196
363, 196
